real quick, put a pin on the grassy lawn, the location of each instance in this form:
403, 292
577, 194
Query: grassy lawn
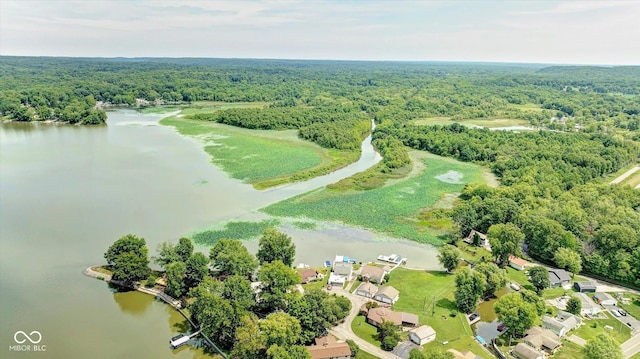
620, 331
637, 356
319, 284
422, 291
392, 209
633, 308
364, 355
365, 330
569, 350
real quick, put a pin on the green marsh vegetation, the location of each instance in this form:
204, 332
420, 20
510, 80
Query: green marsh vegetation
250, 154
392, 209
241, 230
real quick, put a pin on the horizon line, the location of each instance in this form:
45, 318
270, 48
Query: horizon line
479, 62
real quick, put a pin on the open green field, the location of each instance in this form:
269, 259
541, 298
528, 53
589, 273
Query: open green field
392, 209
478, 122
249, 155
422, 291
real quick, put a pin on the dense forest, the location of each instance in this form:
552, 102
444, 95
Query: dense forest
587, 122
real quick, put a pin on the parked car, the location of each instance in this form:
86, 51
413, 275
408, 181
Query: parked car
615, 312
622, 312
502, 327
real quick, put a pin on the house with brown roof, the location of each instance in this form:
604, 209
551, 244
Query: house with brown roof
387, 294
375, 316
422, 335
462, 355
327, 347
518, 263
524, 351
372, 274
308, 275
542, 339
366, 290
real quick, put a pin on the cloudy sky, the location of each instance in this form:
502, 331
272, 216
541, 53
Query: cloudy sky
577, 32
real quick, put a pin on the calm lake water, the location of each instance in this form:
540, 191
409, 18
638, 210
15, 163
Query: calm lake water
67, 192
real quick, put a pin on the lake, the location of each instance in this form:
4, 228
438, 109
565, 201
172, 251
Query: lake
68, 192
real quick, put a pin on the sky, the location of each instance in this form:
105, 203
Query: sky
552, 32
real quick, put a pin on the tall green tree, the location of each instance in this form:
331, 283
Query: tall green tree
230, 256
569, 260
505, 241
517, 314
197, 267
216, 316
574, 305
449, 257
277, 280
275, 245
249, 341
184, 248
237, 290
280, 329
539, 277
128, 257
602, 346
388, 334
166, 254
495, 278
175, 275
469, 289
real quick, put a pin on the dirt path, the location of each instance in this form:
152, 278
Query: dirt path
623, 176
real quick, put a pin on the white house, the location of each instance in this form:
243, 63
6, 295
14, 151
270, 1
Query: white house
341, 273
589, 307
387, 294
562, 323
422, 335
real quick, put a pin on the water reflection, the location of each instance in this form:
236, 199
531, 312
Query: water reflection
132, 302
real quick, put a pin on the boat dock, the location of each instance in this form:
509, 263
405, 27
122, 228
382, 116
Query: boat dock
182, 339
394, 258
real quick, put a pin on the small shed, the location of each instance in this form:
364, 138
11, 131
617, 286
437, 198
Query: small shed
604, 299
585, 287
422, 335
559, 278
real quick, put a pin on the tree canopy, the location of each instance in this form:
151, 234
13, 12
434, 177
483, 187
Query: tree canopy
275, 245
128, 257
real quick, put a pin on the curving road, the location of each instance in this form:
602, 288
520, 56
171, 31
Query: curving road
343, 330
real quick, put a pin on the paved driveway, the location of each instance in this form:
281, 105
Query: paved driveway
402, 350
628, 320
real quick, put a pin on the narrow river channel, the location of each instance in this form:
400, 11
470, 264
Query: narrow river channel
67, 192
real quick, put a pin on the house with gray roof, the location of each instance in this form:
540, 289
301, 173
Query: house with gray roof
559, 278
562, 323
